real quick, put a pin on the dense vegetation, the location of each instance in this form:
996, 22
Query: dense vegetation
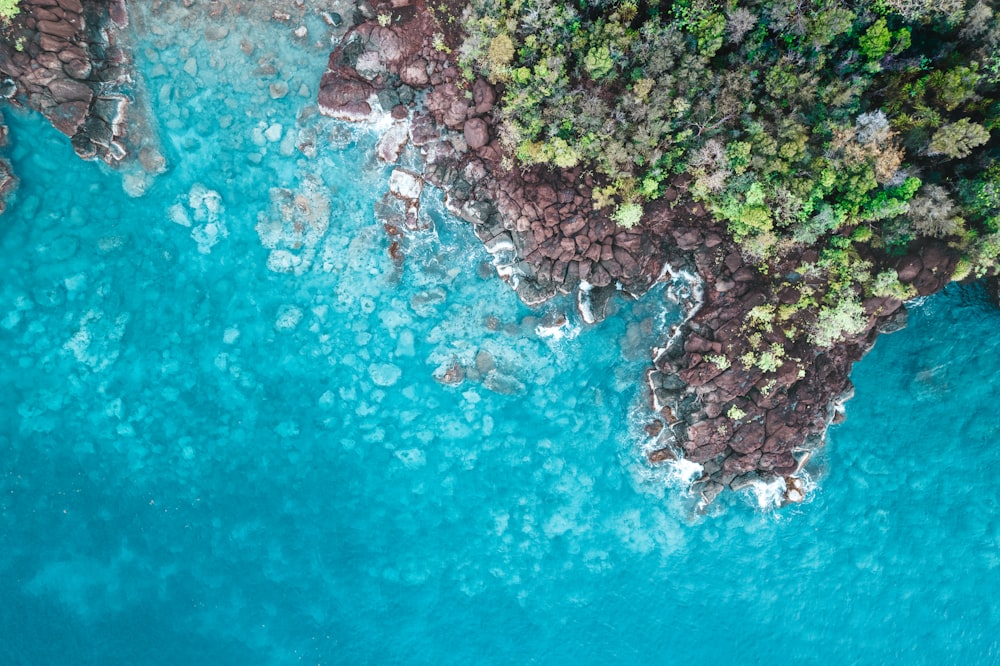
800, 122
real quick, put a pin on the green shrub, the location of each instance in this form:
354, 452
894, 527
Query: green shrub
887, 285
735, 413
719, 361
962, 270
627, 215
499, 56
833, 323
875, 42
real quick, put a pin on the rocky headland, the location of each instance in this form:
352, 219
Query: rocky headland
743, 422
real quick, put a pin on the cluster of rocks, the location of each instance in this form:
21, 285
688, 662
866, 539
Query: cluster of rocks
62, 58
742, 424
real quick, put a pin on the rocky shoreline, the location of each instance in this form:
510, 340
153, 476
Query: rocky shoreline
741, 423
395, 69
63, 58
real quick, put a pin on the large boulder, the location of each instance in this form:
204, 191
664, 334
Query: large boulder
477, 133
344, 96
414, 73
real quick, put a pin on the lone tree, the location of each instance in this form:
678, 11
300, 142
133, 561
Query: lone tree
958, 139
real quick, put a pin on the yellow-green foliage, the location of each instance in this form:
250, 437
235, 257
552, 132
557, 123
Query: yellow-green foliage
9, 9
838, 321
887, 284
719, 361
762, 315
499, 56
962, 270
735, 413
627, 215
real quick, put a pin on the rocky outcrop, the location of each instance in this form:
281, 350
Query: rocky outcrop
745, 423
62, 58
742, 421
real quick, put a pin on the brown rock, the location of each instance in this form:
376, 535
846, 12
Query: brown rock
936, 257
456, 113
118, 14
748, 437
49, 60
688, 239
780, 463
450, 373
574, 225
483, 96
73, 52
423, 131
79, 68
344, 97
722, 285
699, 374
386, 42
61, 29
661, 455
809, 257
630, 267
51, 43
705, 452
414, 73
477, 133
788, 295
68, 117
736, 465
908, 268
696, 343
926, 282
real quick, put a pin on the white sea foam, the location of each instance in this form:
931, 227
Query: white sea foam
687, 289
564, 330
583, 303
768, 495
684, 472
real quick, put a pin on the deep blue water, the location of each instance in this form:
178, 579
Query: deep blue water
204, 459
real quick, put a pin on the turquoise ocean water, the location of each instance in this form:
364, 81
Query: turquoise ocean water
221, 441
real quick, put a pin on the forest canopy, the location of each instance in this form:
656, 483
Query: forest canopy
798, 121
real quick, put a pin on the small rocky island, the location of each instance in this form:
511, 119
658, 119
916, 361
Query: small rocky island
807, 170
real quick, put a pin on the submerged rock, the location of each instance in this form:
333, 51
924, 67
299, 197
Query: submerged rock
450, 373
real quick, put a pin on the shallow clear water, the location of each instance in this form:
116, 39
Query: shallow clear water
209, 459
